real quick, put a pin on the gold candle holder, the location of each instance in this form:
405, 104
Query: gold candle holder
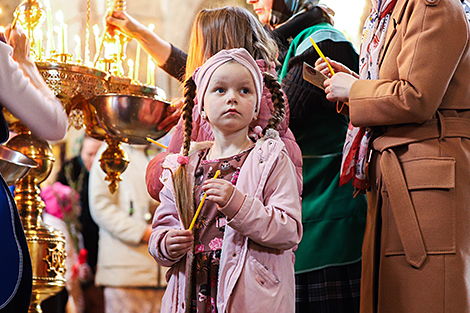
46, 245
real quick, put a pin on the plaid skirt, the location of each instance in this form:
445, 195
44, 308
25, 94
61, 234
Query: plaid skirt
333, 289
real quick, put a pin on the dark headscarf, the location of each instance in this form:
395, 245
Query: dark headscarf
282, 10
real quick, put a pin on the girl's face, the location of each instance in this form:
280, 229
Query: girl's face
230, 98
262, 9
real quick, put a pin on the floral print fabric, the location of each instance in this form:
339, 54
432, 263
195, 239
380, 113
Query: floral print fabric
209, 230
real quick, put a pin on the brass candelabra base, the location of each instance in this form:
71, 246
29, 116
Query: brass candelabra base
46, 245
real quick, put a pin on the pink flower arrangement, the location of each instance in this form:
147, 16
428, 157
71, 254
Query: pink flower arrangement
63, 202
60, 200
216, 244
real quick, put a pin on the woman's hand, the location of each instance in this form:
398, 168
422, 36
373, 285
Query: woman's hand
178, 243
321, 66
337, 88
123, 22
158, 48
19, 41
174, 113
218, 191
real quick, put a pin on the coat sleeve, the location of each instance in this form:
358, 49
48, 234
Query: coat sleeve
37, 108
108, 213
277, 222
432, 40
152, 175
165, 219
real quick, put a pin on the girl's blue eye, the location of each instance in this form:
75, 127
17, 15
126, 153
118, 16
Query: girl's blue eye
219, 90
245, 91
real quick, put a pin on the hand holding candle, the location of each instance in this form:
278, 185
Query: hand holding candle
201, 204
322, 56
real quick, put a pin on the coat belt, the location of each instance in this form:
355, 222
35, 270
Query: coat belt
400, 201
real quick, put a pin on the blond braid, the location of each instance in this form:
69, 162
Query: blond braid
278, 102
183, 192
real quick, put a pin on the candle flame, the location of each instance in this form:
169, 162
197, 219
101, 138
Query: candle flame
59, 16
96, 30
38, 33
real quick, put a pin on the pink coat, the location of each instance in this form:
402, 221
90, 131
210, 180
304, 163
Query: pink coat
203, 132
257, 263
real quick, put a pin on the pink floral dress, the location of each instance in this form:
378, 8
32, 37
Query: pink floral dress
209, 230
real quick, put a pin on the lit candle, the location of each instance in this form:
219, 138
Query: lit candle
96, 33
60, 17
130, 64
66, 37
86, 58
38, 37
49, 44
50, 40
152, 73
151, 27
137, 63
78, 48
58, 31
149, 61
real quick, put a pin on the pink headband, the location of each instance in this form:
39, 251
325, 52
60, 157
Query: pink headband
203, 74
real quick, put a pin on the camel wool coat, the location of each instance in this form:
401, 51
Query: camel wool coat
416, 252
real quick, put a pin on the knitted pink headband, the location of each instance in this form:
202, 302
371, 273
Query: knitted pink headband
203, 74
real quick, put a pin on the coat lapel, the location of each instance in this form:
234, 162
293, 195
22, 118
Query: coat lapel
395, 20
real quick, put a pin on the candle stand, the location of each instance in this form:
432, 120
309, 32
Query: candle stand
108, 105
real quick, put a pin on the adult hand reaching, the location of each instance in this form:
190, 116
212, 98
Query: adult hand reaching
174, 113
123, 22
19, 41
158, 48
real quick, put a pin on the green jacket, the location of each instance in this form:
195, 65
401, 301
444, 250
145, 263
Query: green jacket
333, 220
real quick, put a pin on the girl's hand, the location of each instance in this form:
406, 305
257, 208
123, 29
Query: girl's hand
123, 22
218, 191
338, 87
320, 65
178, 242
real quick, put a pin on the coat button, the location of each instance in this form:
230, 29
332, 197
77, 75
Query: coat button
234, 255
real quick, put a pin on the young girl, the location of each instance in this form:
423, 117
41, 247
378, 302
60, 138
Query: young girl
213, 30
239, 257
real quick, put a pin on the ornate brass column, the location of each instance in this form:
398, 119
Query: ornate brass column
46, 245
